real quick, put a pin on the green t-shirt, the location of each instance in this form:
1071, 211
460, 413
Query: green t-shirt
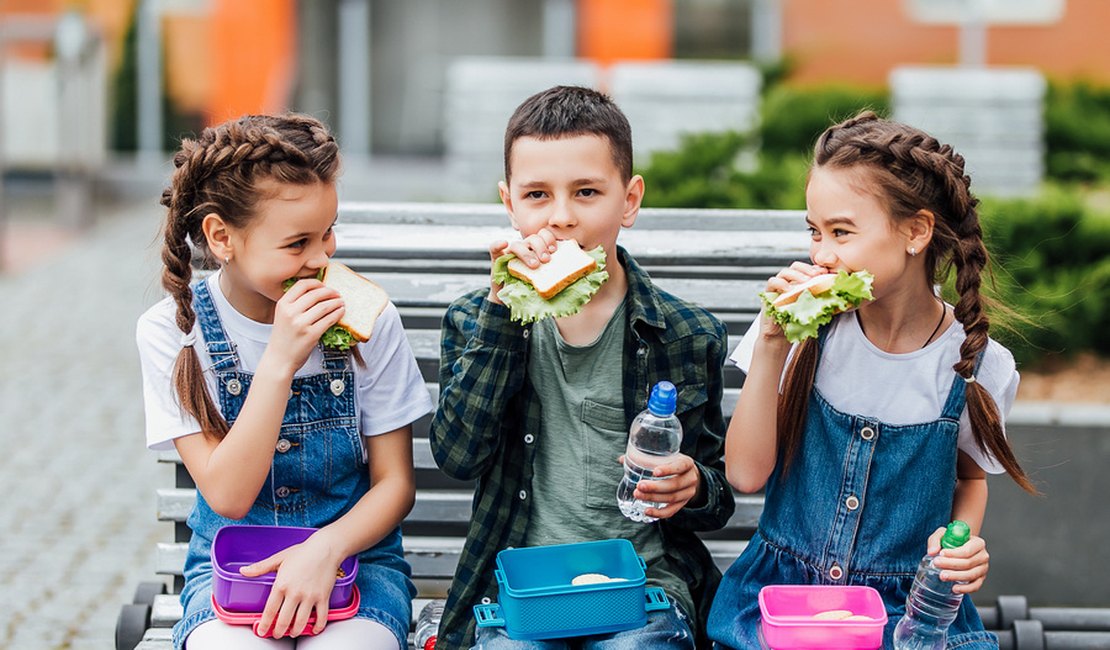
582, 433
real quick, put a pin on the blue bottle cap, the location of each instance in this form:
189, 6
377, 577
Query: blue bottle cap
663, 398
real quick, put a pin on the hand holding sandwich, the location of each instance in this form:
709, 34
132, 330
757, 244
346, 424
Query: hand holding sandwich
301, 317
803, 297
533, 250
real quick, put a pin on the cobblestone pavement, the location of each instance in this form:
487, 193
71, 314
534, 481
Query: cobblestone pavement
79, 530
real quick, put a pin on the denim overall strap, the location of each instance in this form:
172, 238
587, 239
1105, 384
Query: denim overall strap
957, 396
335, 360
220, 348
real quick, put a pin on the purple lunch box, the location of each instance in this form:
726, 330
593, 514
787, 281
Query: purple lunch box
237, 546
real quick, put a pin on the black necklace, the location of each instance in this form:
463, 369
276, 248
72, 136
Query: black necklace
943, 313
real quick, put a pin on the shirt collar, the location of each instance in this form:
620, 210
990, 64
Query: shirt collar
644, 302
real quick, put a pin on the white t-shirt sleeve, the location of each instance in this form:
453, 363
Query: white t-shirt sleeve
159, 343
392, 392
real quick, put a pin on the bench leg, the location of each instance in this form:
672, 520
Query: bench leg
132, 623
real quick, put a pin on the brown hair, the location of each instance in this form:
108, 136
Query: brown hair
568, 111
219, 173
911, 171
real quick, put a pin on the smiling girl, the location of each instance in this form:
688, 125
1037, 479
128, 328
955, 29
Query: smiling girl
273, 428
875, 434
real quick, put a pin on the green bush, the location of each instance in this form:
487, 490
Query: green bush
1051, 267
792, 118
703, 173
1077, 132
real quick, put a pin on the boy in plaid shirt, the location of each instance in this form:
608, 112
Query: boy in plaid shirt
539, 414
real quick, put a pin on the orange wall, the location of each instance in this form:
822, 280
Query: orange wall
252, 57
613, 30
860, 41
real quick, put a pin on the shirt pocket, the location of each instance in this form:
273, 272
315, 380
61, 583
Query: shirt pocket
691, 396
606, 438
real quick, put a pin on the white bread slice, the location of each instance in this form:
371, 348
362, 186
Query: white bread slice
567, 264
816, 285
363, 299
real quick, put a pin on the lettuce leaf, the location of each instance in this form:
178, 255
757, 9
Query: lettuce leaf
802, 318
526, 306
335, 337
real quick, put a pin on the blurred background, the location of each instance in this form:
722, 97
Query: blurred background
725, 98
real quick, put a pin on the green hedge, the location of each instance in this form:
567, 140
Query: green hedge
1051, 267
1077, 132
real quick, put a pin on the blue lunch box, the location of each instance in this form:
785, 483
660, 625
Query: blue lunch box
538, 601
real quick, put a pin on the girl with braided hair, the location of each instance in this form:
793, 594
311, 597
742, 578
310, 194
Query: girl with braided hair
273, 428
872, 436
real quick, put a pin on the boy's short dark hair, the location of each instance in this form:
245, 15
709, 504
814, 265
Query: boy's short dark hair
572, 110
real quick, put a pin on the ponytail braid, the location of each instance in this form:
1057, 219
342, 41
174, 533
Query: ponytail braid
218, 173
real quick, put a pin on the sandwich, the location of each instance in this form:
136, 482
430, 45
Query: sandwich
559, 287
806, 306
364, 301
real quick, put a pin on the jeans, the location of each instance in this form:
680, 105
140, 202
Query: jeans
668, 628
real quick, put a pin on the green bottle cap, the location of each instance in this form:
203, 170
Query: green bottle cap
956, 535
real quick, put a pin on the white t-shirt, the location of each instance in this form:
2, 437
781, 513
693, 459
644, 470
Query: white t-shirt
856, 377
391, 392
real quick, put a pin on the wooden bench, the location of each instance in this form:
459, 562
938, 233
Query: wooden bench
427, 255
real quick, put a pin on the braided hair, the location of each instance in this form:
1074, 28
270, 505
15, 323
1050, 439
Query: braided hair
219, 172
911, 171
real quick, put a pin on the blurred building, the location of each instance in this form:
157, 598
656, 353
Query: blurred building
375, 69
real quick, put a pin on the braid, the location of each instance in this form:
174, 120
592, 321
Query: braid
915, 172
217, 173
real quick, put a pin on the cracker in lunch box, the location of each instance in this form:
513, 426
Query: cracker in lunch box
590, 579
832, 615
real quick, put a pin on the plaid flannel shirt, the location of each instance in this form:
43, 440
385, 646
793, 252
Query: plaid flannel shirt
487, 405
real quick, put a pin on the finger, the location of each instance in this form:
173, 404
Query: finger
325, 314
270, 611
266, 565
284, 618
679, 466
300, 620
525, 253
321, 616
809, 270
666, 511
299, 288
973, 574
933, 544
968, 588
540, 246
550, 242
497, 248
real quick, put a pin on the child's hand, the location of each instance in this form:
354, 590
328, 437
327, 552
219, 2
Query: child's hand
966, 565
301, 317
533, 250
672, 493
796, 273
305, 578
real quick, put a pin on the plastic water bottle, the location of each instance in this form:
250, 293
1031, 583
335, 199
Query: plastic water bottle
654, 438
931, 606
427, 624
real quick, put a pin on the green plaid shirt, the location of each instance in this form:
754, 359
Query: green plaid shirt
487, 405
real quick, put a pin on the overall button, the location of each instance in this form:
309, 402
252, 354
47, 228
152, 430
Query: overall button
337, 387
234, 386
851, 502
523, 495
867, 433
529, 438
283, 445
836, 573
282, 492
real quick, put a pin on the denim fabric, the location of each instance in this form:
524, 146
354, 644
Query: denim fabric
666, 629
316, 481
859, 502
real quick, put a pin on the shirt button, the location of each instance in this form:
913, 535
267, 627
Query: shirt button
283, 445
337, 387
867, 433
836, 573
523, 495
283, 492
527, 333
234, 386
529, 438
852, 502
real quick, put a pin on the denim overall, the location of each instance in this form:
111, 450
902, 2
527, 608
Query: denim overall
859, 502
317, 475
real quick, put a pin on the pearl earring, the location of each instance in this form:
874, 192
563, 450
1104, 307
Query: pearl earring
227, 259
913, 252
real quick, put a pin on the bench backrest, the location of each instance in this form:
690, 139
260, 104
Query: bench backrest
426, 255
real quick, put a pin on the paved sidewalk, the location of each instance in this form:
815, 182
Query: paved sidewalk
79, 527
